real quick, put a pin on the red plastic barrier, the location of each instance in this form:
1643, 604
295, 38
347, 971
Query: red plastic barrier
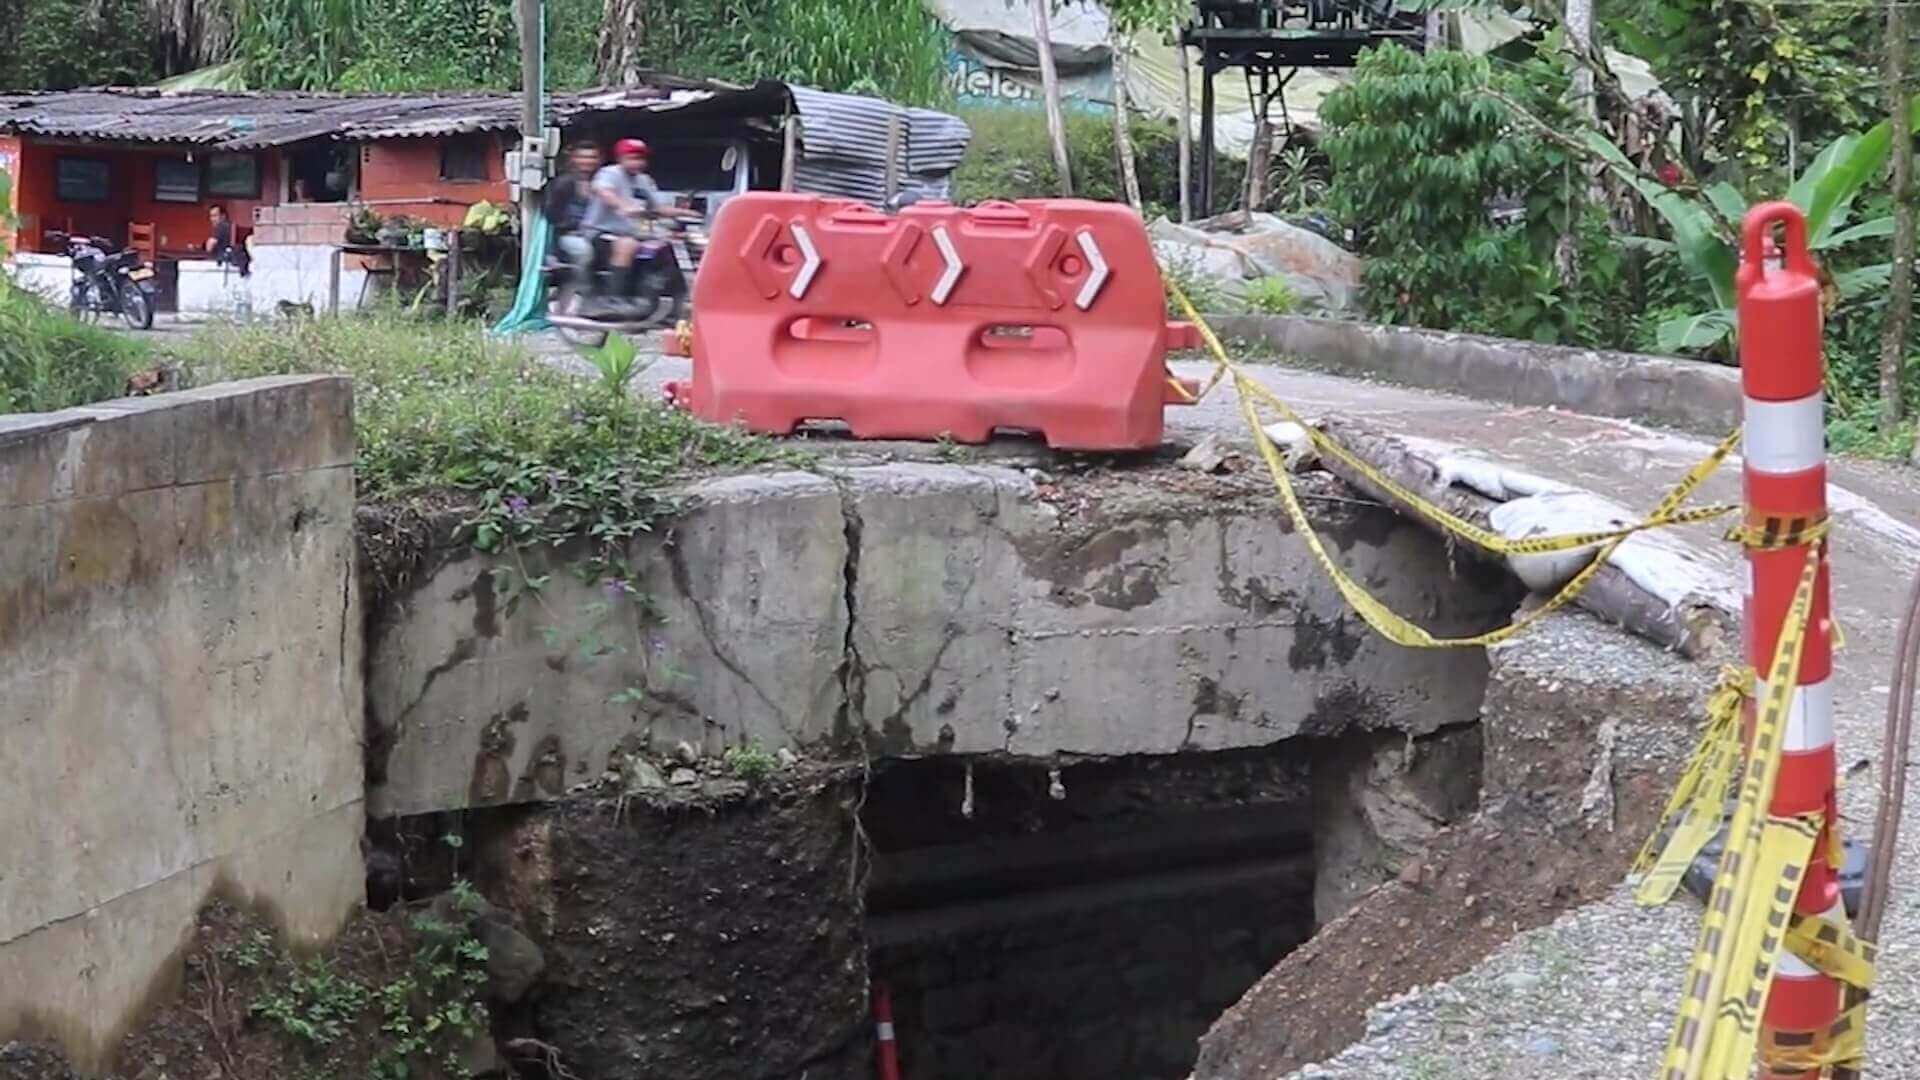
1045, 316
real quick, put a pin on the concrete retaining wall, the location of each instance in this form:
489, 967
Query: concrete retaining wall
47, 276
180, 700
1686, 394
922, 609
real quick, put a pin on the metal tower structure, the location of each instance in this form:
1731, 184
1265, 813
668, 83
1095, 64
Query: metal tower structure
1272, 39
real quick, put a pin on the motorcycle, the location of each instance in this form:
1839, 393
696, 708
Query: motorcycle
665, 267
109, 280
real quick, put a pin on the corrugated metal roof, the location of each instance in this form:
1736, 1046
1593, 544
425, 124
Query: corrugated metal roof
251, 120
843, 136
232, 120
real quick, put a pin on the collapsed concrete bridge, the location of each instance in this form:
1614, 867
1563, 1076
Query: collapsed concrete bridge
1086, 752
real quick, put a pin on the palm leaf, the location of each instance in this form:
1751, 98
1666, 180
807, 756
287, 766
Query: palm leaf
1880, 226
1731, 204
1827, 189
1698, 331
1704, 249
1866, 279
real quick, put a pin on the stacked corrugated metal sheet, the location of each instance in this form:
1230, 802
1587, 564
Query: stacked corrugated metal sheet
844, 146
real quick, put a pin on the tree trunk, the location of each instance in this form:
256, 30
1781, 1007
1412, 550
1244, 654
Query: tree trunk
1580, 35
622, 33
1122, 135
1893, 339
1050, 93
1186, 138
1259, 153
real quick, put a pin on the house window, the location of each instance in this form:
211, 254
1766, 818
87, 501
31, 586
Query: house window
235, 176
176, 180
463, 159
84, 180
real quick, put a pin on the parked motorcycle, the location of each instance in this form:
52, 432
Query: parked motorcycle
666, 264
108, 280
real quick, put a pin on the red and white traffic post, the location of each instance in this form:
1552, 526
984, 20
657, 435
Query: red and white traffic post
886, 1054
1786, 491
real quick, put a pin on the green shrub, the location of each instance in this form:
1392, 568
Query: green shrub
891, 48
49, 360
1271, 296
438, 406
1010, 158
1180, 268
750, 762
1420, 150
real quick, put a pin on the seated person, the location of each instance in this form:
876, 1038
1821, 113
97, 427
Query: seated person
220, 244
568, 200
623, 195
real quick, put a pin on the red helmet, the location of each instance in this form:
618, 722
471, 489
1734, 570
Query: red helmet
630, 146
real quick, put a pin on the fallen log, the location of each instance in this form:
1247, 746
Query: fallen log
1655, 584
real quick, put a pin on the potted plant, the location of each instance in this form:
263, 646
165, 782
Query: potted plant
363, 227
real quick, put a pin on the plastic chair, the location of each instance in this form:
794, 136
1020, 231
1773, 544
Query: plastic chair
140, 238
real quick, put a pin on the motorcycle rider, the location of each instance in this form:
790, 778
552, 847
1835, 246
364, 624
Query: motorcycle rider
623, 196
569, 198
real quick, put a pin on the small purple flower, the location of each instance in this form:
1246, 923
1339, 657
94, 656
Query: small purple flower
617, 587
517, 504
659, 646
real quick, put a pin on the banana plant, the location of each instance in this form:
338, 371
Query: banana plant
1706, 228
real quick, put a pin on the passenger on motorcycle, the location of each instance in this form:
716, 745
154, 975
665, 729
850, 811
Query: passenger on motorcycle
569, 198
623, 196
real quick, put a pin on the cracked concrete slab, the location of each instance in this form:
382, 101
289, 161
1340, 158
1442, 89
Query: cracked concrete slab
918, 608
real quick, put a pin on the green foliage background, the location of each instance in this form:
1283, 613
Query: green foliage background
64, 43
1420, 148
890, 47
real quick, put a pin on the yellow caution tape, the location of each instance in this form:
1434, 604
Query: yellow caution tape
1706, 1043
1833, 949
1786, 846
1452, 523
1693, 812
1843, 1043
1383, 619
1773, 534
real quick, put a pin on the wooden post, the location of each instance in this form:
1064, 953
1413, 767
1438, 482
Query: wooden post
1050, 93
1122, 137
333, 281
453, 276
1893, 335
533, 85
789, 151
1186, 137
1203, 197
894, 140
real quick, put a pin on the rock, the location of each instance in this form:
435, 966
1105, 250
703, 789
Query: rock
1543, 1046
1243, 248
514, 963
481, 1060
683, 777
685, 754
786, 758
641, 774
1294, 444
1209, 455
1520, 981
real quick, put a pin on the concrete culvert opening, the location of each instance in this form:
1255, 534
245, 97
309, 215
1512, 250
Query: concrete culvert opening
1095, 919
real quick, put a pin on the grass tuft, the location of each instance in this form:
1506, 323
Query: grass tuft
49, 360
541, 456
